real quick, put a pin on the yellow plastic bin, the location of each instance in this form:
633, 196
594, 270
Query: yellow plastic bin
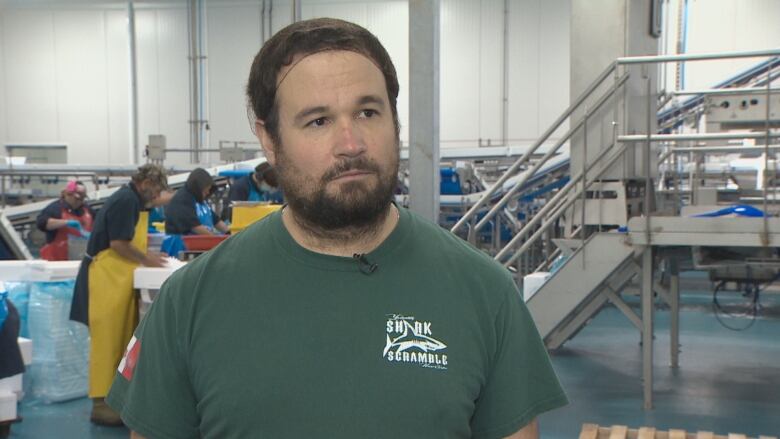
246, 213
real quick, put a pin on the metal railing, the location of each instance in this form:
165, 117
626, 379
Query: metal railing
578, 186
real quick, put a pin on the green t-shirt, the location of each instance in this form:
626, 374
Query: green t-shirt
262, 338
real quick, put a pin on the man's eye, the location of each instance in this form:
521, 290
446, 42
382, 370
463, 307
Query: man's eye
367, 114
320, 121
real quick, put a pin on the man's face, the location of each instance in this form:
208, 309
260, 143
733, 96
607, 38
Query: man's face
338, 158
149, 190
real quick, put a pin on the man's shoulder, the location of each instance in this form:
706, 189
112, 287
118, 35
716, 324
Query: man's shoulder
53, 206
123, 196
432, 236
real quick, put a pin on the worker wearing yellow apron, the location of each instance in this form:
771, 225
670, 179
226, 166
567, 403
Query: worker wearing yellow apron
104, 298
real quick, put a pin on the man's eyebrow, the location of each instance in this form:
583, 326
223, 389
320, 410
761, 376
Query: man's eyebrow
307, 112
371, 99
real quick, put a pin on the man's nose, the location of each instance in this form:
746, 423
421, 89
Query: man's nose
350, 141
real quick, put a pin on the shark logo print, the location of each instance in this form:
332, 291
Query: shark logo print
411, 341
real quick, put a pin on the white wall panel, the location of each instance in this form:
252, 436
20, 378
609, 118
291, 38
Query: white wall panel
553, 64
30, 87
82, 97
118, 86
173, 77
233, 40
3, 101
459, 72
491, 74
524, 72
722, 26
147, 71
163, 77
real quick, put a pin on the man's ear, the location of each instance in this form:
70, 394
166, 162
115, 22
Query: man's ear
268, 145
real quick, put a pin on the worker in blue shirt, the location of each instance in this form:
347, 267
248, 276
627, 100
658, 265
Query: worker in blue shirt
261, 185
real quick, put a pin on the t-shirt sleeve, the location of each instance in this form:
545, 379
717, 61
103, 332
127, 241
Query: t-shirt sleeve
152, 390
121, 218
180, 215
522, 383
53, 210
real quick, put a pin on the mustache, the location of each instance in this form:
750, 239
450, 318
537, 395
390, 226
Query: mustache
357, 164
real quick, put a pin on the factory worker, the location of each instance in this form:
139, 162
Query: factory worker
103, 296
67, 216
189, 212
261, 185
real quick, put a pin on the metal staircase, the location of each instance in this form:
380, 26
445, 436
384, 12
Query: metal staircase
573, 294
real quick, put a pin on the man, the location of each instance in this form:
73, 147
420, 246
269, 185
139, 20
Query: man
260, 185
188, 212
65, 216
103, 296
342, 315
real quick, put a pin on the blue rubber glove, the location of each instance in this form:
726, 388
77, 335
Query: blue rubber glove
73, 223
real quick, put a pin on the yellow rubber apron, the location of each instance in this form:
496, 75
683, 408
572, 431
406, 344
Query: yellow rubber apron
113, 310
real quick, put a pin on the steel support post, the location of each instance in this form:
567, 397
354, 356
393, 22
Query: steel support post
424, 108
674, 310
647, 322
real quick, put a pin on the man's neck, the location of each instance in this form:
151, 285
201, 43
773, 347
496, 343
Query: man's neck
342, 242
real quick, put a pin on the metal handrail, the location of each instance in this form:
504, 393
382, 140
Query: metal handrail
550, 213
696, 57
539, 163
558, 210
554, 202
525, 157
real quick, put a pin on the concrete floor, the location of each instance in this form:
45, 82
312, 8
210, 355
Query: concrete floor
727, 381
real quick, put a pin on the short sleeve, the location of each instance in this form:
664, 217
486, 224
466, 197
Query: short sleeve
180, 214
121, 218
521, 383
152, 390
53, 210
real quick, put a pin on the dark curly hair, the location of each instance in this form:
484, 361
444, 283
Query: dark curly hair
153, 173
305, 38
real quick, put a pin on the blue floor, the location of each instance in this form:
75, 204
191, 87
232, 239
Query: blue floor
727, 381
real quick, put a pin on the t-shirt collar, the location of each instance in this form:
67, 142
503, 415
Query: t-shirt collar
383, 252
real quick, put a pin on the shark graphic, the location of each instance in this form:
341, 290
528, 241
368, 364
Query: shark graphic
412, 339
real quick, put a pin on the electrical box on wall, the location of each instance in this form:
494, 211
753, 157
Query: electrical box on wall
155, 150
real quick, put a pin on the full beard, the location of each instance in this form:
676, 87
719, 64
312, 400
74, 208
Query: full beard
358, 208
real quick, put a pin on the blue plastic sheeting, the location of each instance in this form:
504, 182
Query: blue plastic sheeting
173, 245
60, 360
738, 209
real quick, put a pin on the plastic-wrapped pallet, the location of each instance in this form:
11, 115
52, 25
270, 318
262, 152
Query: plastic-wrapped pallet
60, 358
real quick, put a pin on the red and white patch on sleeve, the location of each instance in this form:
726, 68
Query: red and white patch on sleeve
127, 365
